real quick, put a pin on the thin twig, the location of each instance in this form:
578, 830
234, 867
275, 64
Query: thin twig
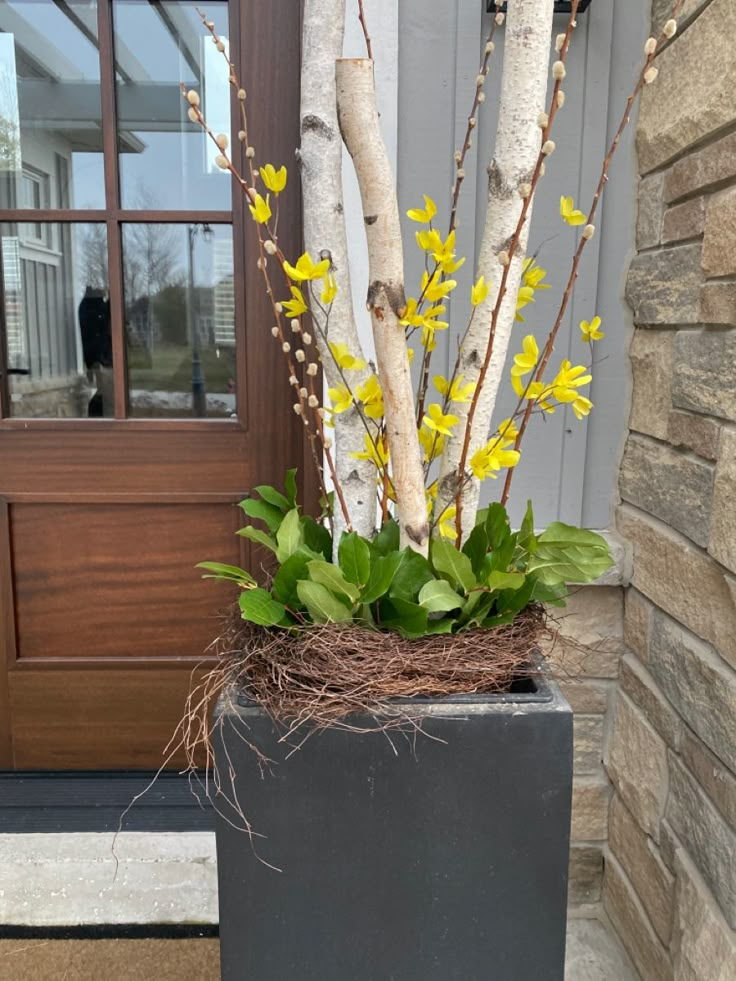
364, 25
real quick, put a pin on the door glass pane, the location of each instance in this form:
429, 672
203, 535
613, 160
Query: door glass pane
180, 320
57, 320
50, 128
166, 161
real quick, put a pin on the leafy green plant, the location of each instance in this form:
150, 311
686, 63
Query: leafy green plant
376, 584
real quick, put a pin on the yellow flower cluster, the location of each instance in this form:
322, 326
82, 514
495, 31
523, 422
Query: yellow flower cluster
496, 455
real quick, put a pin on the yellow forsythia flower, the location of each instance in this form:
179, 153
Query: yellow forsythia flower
433, 444
568, 380
436, 288
296, 306
375, 450
261, 209
424, 216
340, 398
438, 421
346, 360
306, 269
371, 396
581, 406
479, 291
455, 390
275, 180
446, 524
493, 457
527, 360
329, 289
590, 330
569, 212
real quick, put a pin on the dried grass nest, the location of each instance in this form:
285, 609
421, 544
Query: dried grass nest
322, 674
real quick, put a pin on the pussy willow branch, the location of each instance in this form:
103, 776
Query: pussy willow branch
364, 25
478, 98
549, 346
250, 193
554, 106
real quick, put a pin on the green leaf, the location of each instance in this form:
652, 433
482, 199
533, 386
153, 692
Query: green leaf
354, 556
567, 554
448, 561
476, 608
259, 537
317, 537
290, 487
438, 596
476, 548
321, 605
330, 576
387, 539
258, 606
506, 580
410, 619
383, 570
498, 620
289, 536
220, 570
549, 595
411, 574
274, 497
289, 574
500, 558
526, 538
443, 626
263, 511
498, 528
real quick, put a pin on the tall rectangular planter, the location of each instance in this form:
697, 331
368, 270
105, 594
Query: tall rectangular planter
440, 856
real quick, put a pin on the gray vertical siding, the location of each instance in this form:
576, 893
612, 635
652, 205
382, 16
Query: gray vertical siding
568, 466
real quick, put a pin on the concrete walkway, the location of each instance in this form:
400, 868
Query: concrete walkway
595, 954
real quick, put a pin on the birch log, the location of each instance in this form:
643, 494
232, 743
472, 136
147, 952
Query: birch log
361, 131
523, 90
320, 157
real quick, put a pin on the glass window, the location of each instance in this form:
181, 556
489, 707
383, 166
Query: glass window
50, 118
166, 161
179, 320
57, 320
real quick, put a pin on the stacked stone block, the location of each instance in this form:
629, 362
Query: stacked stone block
670, 877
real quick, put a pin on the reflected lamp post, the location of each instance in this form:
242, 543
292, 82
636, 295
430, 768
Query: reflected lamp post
199, 394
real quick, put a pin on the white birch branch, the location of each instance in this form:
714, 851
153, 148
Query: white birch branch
320, 157
523, 90
361, 131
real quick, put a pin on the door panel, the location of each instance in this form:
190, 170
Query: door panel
120, 464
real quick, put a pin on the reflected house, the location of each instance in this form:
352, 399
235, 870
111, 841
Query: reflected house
53, 159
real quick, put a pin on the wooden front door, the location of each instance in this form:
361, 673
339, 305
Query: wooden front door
141, 393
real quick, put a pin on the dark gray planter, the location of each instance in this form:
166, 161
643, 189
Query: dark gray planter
426, 859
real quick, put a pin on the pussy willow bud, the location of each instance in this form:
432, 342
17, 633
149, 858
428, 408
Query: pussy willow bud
490, 47
295, 326
588, 232
472, 121
500, 18
481, 97
651, 46
293, 380
269, 247
650, 74
279, 308
250, 153
303, 392
220, 45
193, 114
559, 42
286, 347
559, 71
241, 95
275, 331
209, 24
312, 368
312, 401
543, 120
503, 258
542, 169
222, 141
479, 80
307, 338
560, 99
458, 156
525, 190
297, 408
327, 442
300, 356
222, 162
261, 263
241, 135
670, 28
193, 97
549, 147
461, 173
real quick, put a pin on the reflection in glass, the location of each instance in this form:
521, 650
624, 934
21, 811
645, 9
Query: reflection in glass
180, 320
57, 320
50, 120
166, 161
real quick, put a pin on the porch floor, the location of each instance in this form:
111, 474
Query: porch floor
593, 955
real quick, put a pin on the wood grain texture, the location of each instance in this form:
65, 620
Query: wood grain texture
91, 720
118, 579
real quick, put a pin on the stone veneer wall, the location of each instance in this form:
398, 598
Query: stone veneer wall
670, 877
